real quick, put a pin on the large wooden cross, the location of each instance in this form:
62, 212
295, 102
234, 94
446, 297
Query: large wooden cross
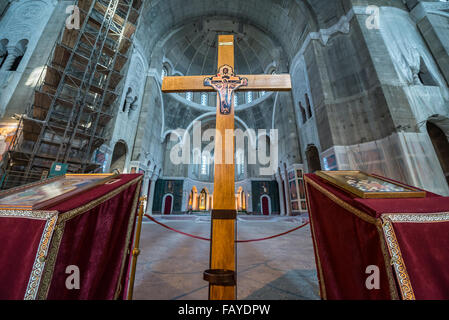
222, 272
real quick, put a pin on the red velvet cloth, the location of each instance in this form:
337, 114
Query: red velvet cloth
376, 207
95, 242
19, 242
425, 251
346, 244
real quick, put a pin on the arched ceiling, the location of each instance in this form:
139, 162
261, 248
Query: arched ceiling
184, 33
286, 21
192, 49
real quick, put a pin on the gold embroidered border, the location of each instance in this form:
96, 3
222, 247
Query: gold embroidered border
394, 248
320, 270
397, 261
387, 260
365, 217
132, 219
417, 218
63, 218
35, 215
51, 261
41, 255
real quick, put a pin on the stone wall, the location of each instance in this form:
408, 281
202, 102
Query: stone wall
38, 23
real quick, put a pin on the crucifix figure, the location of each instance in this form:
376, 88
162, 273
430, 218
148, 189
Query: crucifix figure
222, 271
225, 83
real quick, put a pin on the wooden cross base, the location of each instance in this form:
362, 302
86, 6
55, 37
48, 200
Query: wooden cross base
220, 277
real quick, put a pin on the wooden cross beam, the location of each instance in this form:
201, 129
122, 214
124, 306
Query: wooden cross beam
222, 272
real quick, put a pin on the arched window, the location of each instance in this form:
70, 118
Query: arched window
240, 162
204, 99
203, 200
236, 100
189, 96
272, 70
164, 72
196, 161
424, 75
303, 112
3, 51
20, 49
249, 97
309, 107
119, 157
205, 162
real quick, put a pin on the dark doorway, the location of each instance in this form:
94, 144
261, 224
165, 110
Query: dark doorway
265, 205
168, 201
441, 145
313, 159
119, 157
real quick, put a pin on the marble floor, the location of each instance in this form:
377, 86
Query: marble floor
171, 265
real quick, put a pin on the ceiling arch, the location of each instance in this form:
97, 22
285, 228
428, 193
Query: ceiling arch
192, 49
286, 21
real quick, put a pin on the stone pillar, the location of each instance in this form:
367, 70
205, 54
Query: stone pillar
287, 191
13, 53
432, 19
281, 193
145, 185
152, 182
249, 199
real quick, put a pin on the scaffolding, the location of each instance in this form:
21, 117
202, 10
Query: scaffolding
74, 98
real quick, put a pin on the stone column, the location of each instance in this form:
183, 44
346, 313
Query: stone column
249, 197
152, 182
145, 185
432, 19
281, 194
13, 53
287, 191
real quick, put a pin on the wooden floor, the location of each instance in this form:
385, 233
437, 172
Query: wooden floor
171, 265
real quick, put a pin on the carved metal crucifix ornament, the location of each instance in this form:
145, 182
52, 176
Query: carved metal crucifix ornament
225, 83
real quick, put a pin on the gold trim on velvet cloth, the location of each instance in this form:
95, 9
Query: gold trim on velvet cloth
315, 248
398, 263
42, 251
417, 218
51, 261
59, 232
128, 237
365, 217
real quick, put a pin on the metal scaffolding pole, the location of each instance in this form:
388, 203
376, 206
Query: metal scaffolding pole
67, 117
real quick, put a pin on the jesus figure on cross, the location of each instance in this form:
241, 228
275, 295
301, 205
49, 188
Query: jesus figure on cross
225, 83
